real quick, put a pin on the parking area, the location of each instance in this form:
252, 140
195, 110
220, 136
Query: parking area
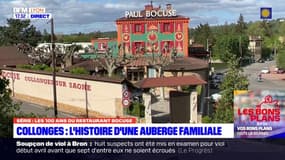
271, 81
273, 75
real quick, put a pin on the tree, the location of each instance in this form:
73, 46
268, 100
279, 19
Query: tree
31, 36
254, 29
226, 29
46, 37
260, 28
234, 80
227, 46
273, 43
66, 59
19, 31
109, 61
267, 28
166, 57
281, 59
7, 109
43, 54
97, 34
203, 33
281, 29
241, 25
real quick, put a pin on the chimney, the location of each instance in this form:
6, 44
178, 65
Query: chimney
168, 6
148, 7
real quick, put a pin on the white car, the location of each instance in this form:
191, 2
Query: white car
216, 97
265, 70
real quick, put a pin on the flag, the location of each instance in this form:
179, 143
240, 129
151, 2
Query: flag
266, 13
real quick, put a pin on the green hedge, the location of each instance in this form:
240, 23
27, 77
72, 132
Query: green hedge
136, 109
79, 70
37, 67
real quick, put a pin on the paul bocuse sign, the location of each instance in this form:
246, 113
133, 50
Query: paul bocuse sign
151, 13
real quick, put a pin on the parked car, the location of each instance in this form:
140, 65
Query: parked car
270, 59
260, 61
214, 84
218, 77
216, 97
265, 70
280, 71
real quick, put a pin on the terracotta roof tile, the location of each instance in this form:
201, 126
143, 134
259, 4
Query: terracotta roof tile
89, 65
9, 56
186, 64
142, 61
170, 81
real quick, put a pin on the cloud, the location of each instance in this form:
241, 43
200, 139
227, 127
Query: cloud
196, 20
92, 15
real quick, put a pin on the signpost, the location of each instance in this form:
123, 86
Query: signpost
125, 98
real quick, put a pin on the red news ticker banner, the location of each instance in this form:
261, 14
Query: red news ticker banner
74, 120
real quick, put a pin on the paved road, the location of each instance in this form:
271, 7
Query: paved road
28, 107
252, 72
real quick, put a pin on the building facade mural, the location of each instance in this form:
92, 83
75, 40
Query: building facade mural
158, 33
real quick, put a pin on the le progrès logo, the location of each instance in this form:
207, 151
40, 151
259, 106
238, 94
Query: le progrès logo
266, 111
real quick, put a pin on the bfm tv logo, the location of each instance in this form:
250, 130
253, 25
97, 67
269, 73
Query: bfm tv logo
31, 13
266, 111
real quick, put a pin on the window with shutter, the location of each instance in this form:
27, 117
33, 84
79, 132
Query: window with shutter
161, 28
142, 28
166, 27
133, 48
138, 28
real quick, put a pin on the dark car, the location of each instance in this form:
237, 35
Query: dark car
218, 77
260, 61
270, 59
280, 71
214, 84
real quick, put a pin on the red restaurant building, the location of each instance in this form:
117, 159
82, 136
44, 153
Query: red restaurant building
153, 30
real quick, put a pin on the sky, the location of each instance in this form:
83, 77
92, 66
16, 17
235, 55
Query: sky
74, 16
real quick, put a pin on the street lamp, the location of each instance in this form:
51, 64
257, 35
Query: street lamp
53, 69
208, 85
